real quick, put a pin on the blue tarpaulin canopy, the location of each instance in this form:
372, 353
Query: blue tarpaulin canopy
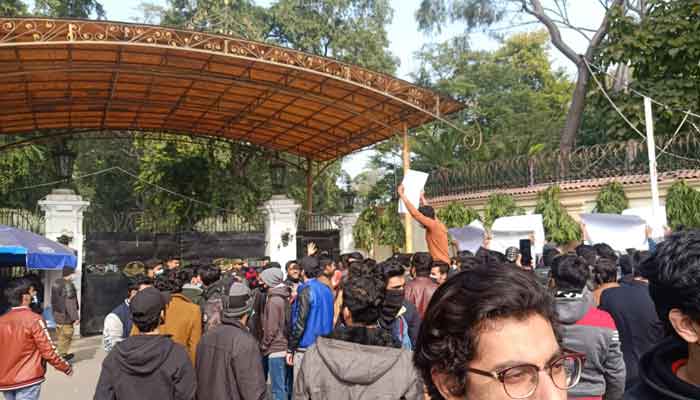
22, 248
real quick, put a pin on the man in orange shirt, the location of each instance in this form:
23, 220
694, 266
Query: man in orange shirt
435, 231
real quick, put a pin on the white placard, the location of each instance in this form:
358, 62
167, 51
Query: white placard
413, 184
508, 231
468, 238
621, 232
657, 222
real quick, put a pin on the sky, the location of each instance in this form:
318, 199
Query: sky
406, 40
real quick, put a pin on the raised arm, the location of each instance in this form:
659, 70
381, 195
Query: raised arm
427, 222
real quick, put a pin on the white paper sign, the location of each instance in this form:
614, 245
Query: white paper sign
508, 231
413, 183
621, 232
468, 238
657, 222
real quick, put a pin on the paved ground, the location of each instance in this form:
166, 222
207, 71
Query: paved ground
87, 364
86, 371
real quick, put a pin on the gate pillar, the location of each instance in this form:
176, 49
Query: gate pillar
346, 222
280, 228
63, 210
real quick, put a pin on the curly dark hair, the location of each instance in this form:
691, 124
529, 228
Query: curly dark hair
170, 281
674, 276
604, 271
588, 253
603, 250
459, 311
363, 296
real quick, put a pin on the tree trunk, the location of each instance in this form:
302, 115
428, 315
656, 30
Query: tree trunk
575, 115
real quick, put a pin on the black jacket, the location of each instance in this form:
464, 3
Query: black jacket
147, 367
637, 322
657, 380
229, 364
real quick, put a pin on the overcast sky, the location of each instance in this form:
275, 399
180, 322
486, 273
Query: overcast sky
406, 39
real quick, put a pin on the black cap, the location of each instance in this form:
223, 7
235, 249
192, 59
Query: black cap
147, 304
310, 265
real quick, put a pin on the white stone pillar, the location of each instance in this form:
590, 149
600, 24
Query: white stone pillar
63, 210
280, 228
346, 222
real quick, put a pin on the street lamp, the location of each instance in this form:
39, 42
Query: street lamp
278, 175
64, 159
348, 198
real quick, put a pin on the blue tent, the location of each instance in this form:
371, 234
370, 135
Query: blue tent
22, 248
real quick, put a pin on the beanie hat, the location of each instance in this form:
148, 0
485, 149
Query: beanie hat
272, 277
239, 301
68, 271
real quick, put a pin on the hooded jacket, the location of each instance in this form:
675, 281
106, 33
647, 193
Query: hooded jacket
274, 321
229, 364
342, 370
147, 367
591, 331
656, 376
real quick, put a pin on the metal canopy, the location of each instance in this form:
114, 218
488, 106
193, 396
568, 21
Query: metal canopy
105, 76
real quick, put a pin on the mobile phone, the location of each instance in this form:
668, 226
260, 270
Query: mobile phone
525, 252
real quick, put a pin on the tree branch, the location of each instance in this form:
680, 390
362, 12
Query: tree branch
602, 30
554, 33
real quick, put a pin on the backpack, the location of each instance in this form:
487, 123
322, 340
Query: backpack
400, 331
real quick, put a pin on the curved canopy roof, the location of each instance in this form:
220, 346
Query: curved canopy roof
98, 75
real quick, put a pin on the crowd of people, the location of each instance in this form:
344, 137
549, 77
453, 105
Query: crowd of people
583, 323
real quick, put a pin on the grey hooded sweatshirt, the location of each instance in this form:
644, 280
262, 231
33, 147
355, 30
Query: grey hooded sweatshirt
340, 370
591, 331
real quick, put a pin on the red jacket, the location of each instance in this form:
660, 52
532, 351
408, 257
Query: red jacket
26, 346
419, 292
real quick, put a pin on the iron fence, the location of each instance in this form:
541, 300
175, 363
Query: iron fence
144, 222
599, 161
23, 219
314, 222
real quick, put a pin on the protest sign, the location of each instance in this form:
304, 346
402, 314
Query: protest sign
413, 183
621, 232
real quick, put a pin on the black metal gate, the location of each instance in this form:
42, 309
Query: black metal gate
319, 229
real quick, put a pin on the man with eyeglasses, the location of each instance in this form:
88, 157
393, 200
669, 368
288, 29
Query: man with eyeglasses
489, 334
587, 329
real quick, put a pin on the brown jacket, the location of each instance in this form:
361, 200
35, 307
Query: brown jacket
419, 292
26, 347
183, 322
229, 364
274, 318
64, 302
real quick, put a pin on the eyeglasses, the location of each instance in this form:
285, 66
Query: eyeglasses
521, 381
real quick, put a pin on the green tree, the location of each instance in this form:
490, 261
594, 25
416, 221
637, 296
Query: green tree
537, 99
555, 17
611, 199
663, 60
500, 205
683, 206
559, 227
456, 215
353, 31
13, 8
69, 8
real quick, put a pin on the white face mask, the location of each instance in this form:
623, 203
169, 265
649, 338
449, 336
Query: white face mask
160, 272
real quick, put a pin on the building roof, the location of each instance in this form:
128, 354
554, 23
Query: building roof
82, 75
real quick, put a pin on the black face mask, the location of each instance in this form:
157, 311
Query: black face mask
393, 301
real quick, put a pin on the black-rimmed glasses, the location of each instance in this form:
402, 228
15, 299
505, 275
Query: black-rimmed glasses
521, 381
